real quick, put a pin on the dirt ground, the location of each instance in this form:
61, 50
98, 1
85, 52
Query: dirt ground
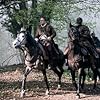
10, 84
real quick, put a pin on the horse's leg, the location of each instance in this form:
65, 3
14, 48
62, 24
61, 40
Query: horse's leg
94, 76
95, 80
84, 76
59, 72
73, 78
46, 81
27, 71
79, 82
59, 80
96, 72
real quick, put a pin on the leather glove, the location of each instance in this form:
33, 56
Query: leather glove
49, 38
36, 39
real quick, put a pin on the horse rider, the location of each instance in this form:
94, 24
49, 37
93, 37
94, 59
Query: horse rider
46, 30
95, 40
86, 41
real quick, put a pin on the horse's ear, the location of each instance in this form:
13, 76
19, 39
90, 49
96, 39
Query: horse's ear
93, 33
70, 25
17, 34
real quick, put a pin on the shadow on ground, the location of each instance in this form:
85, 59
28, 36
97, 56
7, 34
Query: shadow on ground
37, 88
34, 88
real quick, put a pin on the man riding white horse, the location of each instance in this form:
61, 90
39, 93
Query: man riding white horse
34, 58
45, 34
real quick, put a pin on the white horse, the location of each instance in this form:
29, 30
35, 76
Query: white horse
34, 58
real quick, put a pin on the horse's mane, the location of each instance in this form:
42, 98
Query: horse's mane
31, 40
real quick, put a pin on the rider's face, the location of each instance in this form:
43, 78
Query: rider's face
42, 21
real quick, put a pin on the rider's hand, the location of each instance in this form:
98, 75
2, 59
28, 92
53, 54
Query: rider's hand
36, 39
49, 38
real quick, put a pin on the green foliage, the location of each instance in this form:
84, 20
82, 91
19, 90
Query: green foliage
59, 12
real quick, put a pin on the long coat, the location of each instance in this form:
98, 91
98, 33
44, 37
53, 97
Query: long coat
48, 30
86, 40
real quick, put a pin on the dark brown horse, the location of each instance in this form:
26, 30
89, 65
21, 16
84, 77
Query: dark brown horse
78, 59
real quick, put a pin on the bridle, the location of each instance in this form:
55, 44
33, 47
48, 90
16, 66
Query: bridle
22, 40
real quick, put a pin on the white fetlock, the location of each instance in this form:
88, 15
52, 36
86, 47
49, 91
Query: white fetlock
47, 92
59, 86
77, 96
22, 93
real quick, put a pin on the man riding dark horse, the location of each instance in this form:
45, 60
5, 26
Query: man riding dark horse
85, 41
45, 30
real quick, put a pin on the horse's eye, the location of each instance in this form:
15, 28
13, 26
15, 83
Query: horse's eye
23, 36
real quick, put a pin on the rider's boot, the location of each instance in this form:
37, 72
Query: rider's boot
92, 62
50, 60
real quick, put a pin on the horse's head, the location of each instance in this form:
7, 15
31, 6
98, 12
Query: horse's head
24, 38
21, 39
73, 33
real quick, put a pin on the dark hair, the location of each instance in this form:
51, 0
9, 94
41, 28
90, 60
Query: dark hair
43, 17
79, 20
93, 34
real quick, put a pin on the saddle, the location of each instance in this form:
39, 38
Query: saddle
91, 50
56, 51
44, 42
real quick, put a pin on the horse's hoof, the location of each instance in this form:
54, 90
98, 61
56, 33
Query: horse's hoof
59, 87
22, 93
77, 96
47, 92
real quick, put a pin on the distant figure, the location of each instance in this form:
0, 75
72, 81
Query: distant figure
95, 40
86, 40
